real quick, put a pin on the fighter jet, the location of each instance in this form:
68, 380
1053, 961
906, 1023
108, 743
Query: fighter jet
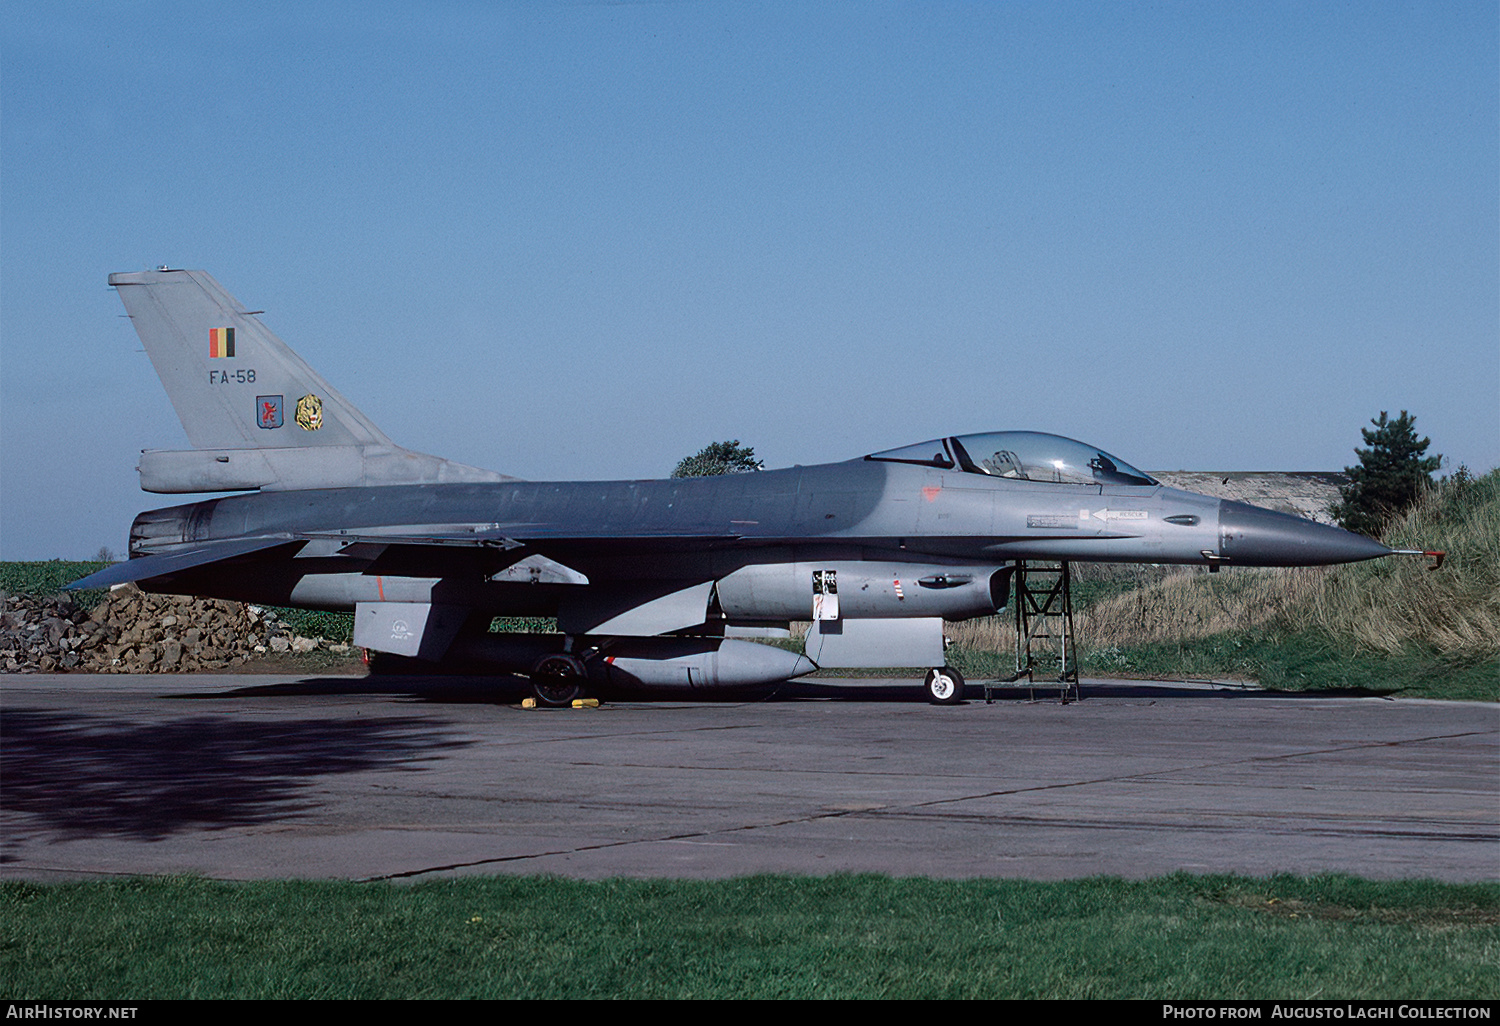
649, 581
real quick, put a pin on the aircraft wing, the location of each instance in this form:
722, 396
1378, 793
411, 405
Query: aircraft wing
511, 536
542, 538
414, 553
437, 553
160, 564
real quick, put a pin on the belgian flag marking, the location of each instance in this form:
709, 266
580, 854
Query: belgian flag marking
220, 342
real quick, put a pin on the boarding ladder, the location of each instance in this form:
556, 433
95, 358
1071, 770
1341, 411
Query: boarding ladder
1046, 649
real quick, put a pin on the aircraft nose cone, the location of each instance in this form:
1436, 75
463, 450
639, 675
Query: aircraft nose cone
1251, 536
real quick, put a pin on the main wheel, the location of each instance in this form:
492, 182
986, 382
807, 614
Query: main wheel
557, 680
944, 686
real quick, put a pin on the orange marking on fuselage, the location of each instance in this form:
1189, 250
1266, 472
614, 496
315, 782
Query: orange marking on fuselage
930, 492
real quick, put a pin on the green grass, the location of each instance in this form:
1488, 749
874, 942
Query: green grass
769, 937
317, 623
49, 577
1305, 661
1308, 660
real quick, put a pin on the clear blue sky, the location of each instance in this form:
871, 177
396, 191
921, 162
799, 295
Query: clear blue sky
583, 240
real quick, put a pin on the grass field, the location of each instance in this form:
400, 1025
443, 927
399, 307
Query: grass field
769, 937
49, 577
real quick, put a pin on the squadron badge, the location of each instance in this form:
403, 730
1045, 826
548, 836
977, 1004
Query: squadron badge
268, 411
309, 415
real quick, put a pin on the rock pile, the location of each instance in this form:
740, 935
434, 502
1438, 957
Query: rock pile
132, 632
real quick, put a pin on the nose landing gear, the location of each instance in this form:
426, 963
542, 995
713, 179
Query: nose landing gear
944, 686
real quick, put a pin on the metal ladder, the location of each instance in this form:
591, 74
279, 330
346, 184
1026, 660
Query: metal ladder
1043, 600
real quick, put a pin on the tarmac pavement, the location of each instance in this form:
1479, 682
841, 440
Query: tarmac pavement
243, 777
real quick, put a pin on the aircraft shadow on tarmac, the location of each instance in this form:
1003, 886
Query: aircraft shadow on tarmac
78, 776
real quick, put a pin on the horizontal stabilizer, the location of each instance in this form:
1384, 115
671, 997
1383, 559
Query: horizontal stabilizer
161, 564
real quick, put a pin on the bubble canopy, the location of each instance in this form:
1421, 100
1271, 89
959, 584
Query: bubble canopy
1020, 456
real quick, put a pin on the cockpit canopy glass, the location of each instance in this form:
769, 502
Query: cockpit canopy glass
1022, 456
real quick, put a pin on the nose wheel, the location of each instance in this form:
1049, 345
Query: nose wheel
944, 686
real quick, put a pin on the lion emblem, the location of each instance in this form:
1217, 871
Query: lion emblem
309, 413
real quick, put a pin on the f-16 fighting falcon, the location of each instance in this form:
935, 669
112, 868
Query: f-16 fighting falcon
649, 580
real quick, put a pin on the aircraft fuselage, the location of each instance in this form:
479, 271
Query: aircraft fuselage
712, 529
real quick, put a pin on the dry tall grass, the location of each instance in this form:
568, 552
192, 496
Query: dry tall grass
1382, 605
1388, 603
1179, 604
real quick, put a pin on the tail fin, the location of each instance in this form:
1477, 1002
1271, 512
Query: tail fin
234, 384
256, 414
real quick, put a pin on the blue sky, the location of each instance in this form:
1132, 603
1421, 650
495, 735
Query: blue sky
583, 240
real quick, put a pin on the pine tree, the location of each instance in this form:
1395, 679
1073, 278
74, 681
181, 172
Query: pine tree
1392, 473
719, 458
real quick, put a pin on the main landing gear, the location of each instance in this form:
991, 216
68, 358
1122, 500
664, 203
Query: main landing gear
557, 680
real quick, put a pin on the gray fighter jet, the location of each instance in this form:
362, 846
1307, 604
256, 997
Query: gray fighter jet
649, 580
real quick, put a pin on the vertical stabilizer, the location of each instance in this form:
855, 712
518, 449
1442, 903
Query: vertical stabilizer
233, 383
256, 414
